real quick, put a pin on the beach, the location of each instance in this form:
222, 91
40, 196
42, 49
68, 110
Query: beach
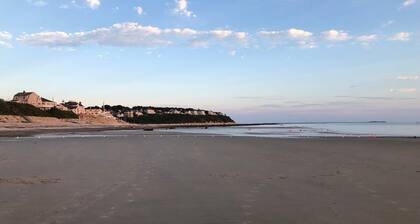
161, 177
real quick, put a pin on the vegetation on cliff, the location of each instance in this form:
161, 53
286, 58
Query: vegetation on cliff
166, 115
18, 109
179, 119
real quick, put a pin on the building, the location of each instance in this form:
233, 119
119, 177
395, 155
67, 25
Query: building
34, 99
76, 107
94, 111
174, 111
188, 112
47, 104
138, 113
62, 107
28, 98
201, 112
211, 113
150, 111
129, 114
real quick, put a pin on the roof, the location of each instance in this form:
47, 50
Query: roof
72, 104
45, 100
24, 93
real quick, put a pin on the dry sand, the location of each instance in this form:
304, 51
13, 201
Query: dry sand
10, 121
180, 179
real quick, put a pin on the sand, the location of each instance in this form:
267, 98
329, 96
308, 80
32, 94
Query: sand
31, 129
181, 179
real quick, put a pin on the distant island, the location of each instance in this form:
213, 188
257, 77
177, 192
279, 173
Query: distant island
30, 104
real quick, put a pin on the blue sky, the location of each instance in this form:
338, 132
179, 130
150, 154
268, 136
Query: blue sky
257, 60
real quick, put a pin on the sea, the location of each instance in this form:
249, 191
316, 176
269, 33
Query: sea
301, 130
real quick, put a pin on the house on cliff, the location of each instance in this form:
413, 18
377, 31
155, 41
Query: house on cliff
34, 99
76, 107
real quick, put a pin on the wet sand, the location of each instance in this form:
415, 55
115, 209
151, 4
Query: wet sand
182, 179
13, 130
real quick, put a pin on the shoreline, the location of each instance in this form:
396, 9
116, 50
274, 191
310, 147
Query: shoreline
31, 131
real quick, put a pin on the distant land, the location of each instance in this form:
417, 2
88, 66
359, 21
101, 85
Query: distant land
26, 107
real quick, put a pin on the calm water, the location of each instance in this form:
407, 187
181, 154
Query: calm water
314, 130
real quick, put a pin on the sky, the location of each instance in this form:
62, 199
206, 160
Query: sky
256, 60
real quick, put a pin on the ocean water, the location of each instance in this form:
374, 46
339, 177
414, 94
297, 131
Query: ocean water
314, 130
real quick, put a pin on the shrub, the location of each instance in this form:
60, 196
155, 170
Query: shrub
179, 118
18, 109
54, 112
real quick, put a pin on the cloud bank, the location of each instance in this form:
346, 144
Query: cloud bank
134, 34
138, 35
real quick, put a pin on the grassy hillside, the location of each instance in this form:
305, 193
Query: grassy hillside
179, 118
9, 108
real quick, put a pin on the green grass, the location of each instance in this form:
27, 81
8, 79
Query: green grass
17, 109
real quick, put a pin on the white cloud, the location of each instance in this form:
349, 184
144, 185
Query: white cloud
139, 10
336, 35
242, 36
293, 33
408, 77
48, 39
186, 32
273, 38
407, 90
125, 34
93, 4
5, 39
182, 8
408, 3
134, 34
221, 34
38, 3
269, 33
5, 36
366, 40
299, 34
302, 38
403, 36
